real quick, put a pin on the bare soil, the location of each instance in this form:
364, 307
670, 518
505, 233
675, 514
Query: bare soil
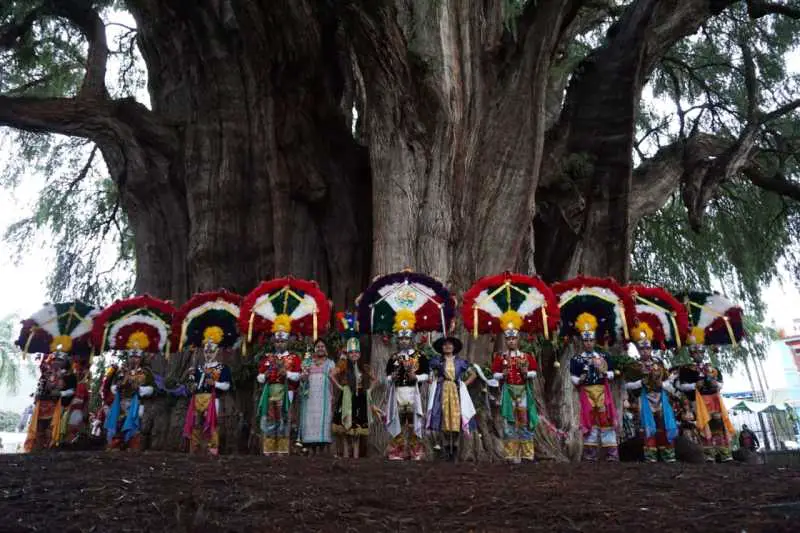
156, 491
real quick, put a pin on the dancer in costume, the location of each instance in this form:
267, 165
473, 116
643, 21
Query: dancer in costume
450, 408
516, 369
702, 383
651, 396
53, 395
209, 322
591, 372
406, 369
208, 384
405, 303
351, 416
139, 328
131, 385
279, 372
510, 304
317, 400
280, 307
61, 330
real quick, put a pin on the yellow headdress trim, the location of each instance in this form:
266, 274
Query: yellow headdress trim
511, 320
64, 340
138, 340
282, 322
642, 331
213, 334
405, 319
696, 336
586, 322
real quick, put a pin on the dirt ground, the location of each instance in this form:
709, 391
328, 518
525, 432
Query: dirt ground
154, 491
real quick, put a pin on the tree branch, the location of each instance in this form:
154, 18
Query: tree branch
115, 121
750, 81
776, 183
86, 19
759, 8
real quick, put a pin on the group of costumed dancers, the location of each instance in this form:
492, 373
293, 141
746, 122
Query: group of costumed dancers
312, 389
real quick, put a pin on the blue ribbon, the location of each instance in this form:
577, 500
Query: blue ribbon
648, 420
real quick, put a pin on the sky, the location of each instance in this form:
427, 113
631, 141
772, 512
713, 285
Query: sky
25, 289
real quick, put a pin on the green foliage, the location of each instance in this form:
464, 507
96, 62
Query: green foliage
9, 365
78, 209
748, 233
9, 421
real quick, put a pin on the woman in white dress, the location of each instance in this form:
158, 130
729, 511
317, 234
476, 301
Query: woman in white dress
317, 400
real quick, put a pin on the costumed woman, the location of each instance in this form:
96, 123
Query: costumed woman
316, 409
450, 408
279, 372
355, 378
702, 383
406, 370
651, 396
591, 372
207, 322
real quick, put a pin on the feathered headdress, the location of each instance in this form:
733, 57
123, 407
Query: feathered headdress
142, 323
510, 303
604, 299
67, 324
208, 316
283, 306
347, 326
405, 302
642, 334
719, 318
662, 313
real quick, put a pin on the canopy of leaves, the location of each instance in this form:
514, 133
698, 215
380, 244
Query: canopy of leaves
728, 76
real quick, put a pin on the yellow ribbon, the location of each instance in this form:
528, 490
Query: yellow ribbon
724, 319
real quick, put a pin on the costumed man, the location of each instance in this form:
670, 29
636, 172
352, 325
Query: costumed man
406, 369
651, 396
517, 370
53, 395
702, 383
591, 372
131, 384
279, 372
450, 408
208, 383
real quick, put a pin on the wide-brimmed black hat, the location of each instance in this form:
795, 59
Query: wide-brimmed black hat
439, 343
